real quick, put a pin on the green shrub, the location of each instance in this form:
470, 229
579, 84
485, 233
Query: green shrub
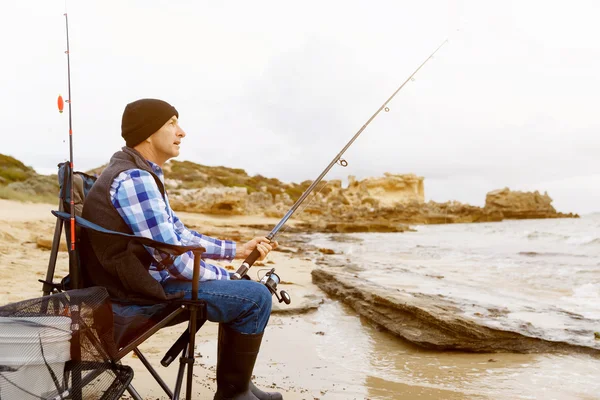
12, 174
13, 170
10, 162
12, 194
37, 185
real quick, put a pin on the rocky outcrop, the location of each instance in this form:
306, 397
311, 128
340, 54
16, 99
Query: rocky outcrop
221, 201
380, 204
389, 190
376, 225
377, 204
360, 205
372, 205
210, 200
521, 205
429, 321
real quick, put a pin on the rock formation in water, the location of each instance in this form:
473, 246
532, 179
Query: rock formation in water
433, 321
521, 205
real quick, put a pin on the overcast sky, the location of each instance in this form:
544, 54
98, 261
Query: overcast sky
279, 87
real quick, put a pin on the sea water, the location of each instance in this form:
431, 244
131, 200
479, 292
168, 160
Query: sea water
543, 277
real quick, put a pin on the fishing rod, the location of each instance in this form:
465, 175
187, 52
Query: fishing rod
241, 272
60, 109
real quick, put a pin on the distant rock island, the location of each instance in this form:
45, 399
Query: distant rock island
380, 204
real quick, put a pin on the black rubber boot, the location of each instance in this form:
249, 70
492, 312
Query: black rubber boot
264, 395
236, 356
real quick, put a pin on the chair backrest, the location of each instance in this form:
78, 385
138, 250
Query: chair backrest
82, 183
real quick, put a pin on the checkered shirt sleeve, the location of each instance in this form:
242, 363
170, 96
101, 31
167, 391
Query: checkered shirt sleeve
138, 201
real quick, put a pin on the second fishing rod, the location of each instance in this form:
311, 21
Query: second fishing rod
249, 261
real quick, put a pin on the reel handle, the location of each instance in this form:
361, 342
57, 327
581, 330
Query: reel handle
285, 297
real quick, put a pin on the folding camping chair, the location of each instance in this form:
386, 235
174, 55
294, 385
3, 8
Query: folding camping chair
133, 323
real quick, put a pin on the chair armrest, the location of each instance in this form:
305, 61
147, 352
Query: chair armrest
171, 249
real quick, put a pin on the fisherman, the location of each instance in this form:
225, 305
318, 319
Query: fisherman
130, 197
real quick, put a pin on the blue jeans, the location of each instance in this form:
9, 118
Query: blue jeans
243, 305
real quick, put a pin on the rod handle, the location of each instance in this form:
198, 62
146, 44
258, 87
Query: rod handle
243, 269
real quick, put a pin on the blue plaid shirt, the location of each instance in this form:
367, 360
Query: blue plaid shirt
138, 200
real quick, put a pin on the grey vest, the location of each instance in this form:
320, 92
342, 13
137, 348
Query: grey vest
119, 265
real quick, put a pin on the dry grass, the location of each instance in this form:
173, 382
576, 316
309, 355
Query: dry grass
11, 194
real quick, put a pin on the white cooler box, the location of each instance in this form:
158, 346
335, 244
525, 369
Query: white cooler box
23, 373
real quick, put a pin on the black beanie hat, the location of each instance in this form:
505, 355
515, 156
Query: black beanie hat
144, 117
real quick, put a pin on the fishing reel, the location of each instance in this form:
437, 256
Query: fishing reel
271, 280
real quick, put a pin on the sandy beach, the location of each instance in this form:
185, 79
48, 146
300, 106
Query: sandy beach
315, 348
24, 226
291, 359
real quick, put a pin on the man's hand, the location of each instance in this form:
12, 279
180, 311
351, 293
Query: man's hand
262, 244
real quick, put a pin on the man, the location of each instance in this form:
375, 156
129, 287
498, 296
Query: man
130, 196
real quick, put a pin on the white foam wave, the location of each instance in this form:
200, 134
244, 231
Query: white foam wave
592, 242
536, 235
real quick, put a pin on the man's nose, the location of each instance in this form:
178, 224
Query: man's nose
181, 133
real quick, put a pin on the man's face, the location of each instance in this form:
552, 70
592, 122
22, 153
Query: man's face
166, 141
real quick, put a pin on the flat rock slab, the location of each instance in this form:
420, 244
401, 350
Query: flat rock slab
430, 321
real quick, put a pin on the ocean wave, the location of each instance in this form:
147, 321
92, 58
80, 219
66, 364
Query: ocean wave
583, 297
575, 239
546, 235
587, 291
592, 242
549, 254
584, 240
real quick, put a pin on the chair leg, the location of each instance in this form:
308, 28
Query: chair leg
191, 345
177, 391
133, 393
47, 288
187, 358
153, 372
